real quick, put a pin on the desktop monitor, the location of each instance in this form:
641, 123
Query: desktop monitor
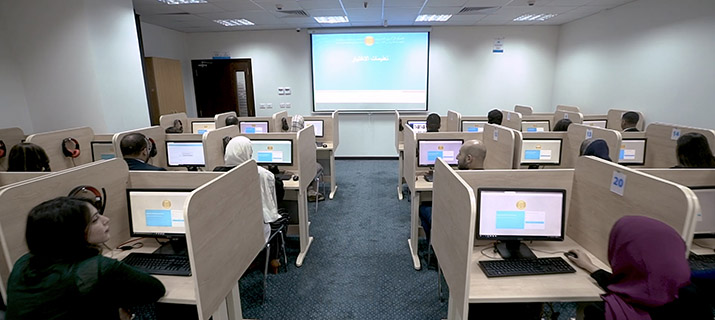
632, 152
102, 150
318, 126
535, 126
511, 215
279, 152
705, 219
541, 151
473, 126
253, 126
429, 150
185, 154
418, 126
158, 213
595, 123
202, 126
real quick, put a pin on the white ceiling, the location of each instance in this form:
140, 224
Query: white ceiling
266, 15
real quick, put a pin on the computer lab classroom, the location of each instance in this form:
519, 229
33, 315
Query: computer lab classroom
78, 76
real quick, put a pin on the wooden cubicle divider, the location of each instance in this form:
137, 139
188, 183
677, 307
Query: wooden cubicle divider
303, 152
234, 241
277, 121
220, 119
10, 137
538, 117
614, 119
511, 119
213, 146
603, 192
52, 143
453, 123
471, 118
167, 121
169, 179
690, 177
8, 178
105, 137
577, 133
561, 107
524, 110
331, 128
575, 117
503, 147
156, 133
409, 166
662, 140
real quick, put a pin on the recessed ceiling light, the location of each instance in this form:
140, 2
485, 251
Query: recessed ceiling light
334, 19
535, 17
182, 1
234, 22
433, 17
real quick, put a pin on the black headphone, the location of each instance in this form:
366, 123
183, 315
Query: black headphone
176, 128
285, 126
151, 147
3, 150
99, 200
400, 124
68, 149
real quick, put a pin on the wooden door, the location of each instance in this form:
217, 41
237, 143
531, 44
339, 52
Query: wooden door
223, 85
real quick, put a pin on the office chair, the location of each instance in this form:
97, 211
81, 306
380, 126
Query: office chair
279, 230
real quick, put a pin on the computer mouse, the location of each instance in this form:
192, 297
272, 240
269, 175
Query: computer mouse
295, 178
325, 145
571, 254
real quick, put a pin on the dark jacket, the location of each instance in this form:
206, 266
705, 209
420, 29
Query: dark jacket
135, 164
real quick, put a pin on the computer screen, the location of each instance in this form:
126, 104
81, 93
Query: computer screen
156, 212
535, 126
705, 219
418, 126
102, 151
595, 123
541, 151
473, 126
429, 150
253, 126
317, 125
632, 151
273, 151
185, 153
202, 126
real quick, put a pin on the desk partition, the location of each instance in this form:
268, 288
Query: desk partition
401, 122
10, 137
511, 119
614, 119
575, 117
156, 133
52, 143
562, 107
524, 110
213, 146
277, 122
220, 119
662, 141
167, 121
578, 132
528, 120
687, 177
326, 155
453, 121
503, 147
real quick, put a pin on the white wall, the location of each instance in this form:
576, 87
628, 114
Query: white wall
13, 107
78, 62
651, 55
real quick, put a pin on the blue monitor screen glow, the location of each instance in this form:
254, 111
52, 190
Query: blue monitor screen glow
535, 126
418, 126
253, 126
278, 152
102, 151
632, 152
541, 151
200, 127
429, 150
185, 153
370, 71
156, 212
473, 126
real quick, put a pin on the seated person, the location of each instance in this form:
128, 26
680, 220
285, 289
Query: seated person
693, 151
64, 276
28, 157
297, 124
231, 121
494, 116
629, 120
470, 157
595, 147
562, 125
433, 122
136, 150
651, 276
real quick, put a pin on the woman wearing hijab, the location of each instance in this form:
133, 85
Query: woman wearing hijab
651, 276
595, 147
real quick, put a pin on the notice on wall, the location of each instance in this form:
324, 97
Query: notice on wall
498, 45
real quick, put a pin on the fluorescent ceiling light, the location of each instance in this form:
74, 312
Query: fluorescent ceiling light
234, 22
433, 17
535, 17
182, 1
334, 19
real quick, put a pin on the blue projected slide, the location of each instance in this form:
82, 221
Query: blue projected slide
158, 218
370, 71
510, 219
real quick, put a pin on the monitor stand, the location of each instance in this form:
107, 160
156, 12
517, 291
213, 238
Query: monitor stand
514, 249
175, 245
192, 168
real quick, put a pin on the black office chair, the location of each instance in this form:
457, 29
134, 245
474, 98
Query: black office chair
278, 228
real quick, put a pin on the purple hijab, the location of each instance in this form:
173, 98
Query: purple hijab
649, 267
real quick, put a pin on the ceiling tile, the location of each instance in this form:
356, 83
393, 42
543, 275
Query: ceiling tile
199, 8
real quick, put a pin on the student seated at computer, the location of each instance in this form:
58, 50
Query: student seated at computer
562, 125
595, 147
434, 122
28, 157
136, 150
494, 117
693, 151
651, 276
629, 120
64, 276
297, 124
231, 121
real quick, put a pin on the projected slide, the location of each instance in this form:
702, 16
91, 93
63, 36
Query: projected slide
370, 71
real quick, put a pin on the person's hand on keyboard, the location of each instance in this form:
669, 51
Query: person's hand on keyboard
582, 260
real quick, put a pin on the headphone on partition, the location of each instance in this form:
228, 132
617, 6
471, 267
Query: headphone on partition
3, 150
399, 121
284, 125
70, 147
176, 128
97, 199
151, 147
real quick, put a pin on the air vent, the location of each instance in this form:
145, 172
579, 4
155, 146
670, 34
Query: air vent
478, 10
300, 13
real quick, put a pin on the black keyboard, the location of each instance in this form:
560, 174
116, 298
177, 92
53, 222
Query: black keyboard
283, 176
702, 261
525, 267
429, 177
166, 264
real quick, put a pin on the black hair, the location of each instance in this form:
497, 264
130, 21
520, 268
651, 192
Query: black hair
630, 118
595, 147
231, 121
562, 125
494, 117
57, 230
433, 122
693, 151
133, 144
28, 157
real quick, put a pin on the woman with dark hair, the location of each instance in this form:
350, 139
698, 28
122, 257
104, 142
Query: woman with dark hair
693, 151
64, 276
27, 156
562, 125
595, 147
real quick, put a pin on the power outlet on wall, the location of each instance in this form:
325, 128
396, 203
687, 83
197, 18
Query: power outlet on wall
269, 105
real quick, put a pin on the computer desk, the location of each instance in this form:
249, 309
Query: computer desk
327, 153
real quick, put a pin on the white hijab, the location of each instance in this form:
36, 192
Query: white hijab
238, 151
